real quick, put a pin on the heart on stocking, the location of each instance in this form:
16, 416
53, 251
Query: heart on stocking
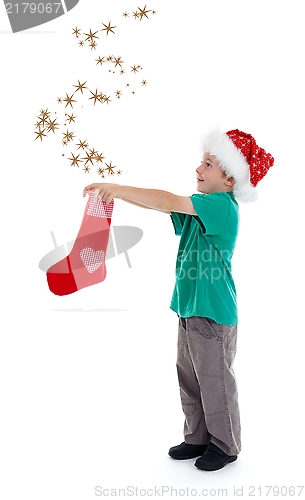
92, 260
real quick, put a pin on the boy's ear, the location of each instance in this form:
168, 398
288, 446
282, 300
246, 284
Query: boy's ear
230, 181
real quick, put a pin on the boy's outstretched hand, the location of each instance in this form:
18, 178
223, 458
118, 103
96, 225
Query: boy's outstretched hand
105, 191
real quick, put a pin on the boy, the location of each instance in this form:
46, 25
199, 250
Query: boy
204, 296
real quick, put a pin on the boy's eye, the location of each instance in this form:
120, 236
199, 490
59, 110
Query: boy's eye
208, 164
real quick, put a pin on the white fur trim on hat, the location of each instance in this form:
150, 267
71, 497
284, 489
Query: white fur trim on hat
231, 161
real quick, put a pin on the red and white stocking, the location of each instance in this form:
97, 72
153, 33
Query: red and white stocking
85, 265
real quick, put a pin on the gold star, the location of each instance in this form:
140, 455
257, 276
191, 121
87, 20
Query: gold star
64, 142
87, 169
92, 152
133, 92
99, 157
100, 171
40, 133
45, 113
127, 84
76, 32
108, 28
107, 99
93, 45
143, 12
102, 97
125, 14
69, 100
89, 158
67, 136
59, 100
80, 87
134, 68
109, 168
119, 172
71, 118
135, 14
154, 12
44, 117
109, 58
52, 125
100, 60
118, 61
144, 82
74, 160
42, 121
122, 71
95, 96
91, 36
118, 94
80, 43
82, 144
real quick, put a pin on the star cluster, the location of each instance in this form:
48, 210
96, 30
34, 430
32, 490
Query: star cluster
84, 154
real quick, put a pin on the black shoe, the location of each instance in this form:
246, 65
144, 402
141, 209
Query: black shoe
214, 458
184, 451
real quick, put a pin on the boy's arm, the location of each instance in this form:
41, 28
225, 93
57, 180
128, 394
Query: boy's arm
156, 199
140, 205
144, 206
135, 203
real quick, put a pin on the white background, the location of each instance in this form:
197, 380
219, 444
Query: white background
91, 398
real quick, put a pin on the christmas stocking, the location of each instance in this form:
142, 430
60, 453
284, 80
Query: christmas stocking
85, 265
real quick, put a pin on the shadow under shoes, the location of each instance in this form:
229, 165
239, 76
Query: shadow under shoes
185, 451
214, 458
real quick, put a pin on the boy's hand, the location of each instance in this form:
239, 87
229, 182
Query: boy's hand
105, 191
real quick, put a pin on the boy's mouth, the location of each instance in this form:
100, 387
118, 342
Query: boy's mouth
200, 180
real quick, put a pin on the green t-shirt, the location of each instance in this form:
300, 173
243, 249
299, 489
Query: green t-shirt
204, 283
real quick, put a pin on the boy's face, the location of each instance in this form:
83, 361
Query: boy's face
210, 177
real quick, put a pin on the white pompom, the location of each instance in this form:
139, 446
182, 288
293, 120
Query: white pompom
245, 193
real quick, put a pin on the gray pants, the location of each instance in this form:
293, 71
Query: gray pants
208, 390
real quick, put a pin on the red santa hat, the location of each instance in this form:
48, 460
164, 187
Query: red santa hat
240, 157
